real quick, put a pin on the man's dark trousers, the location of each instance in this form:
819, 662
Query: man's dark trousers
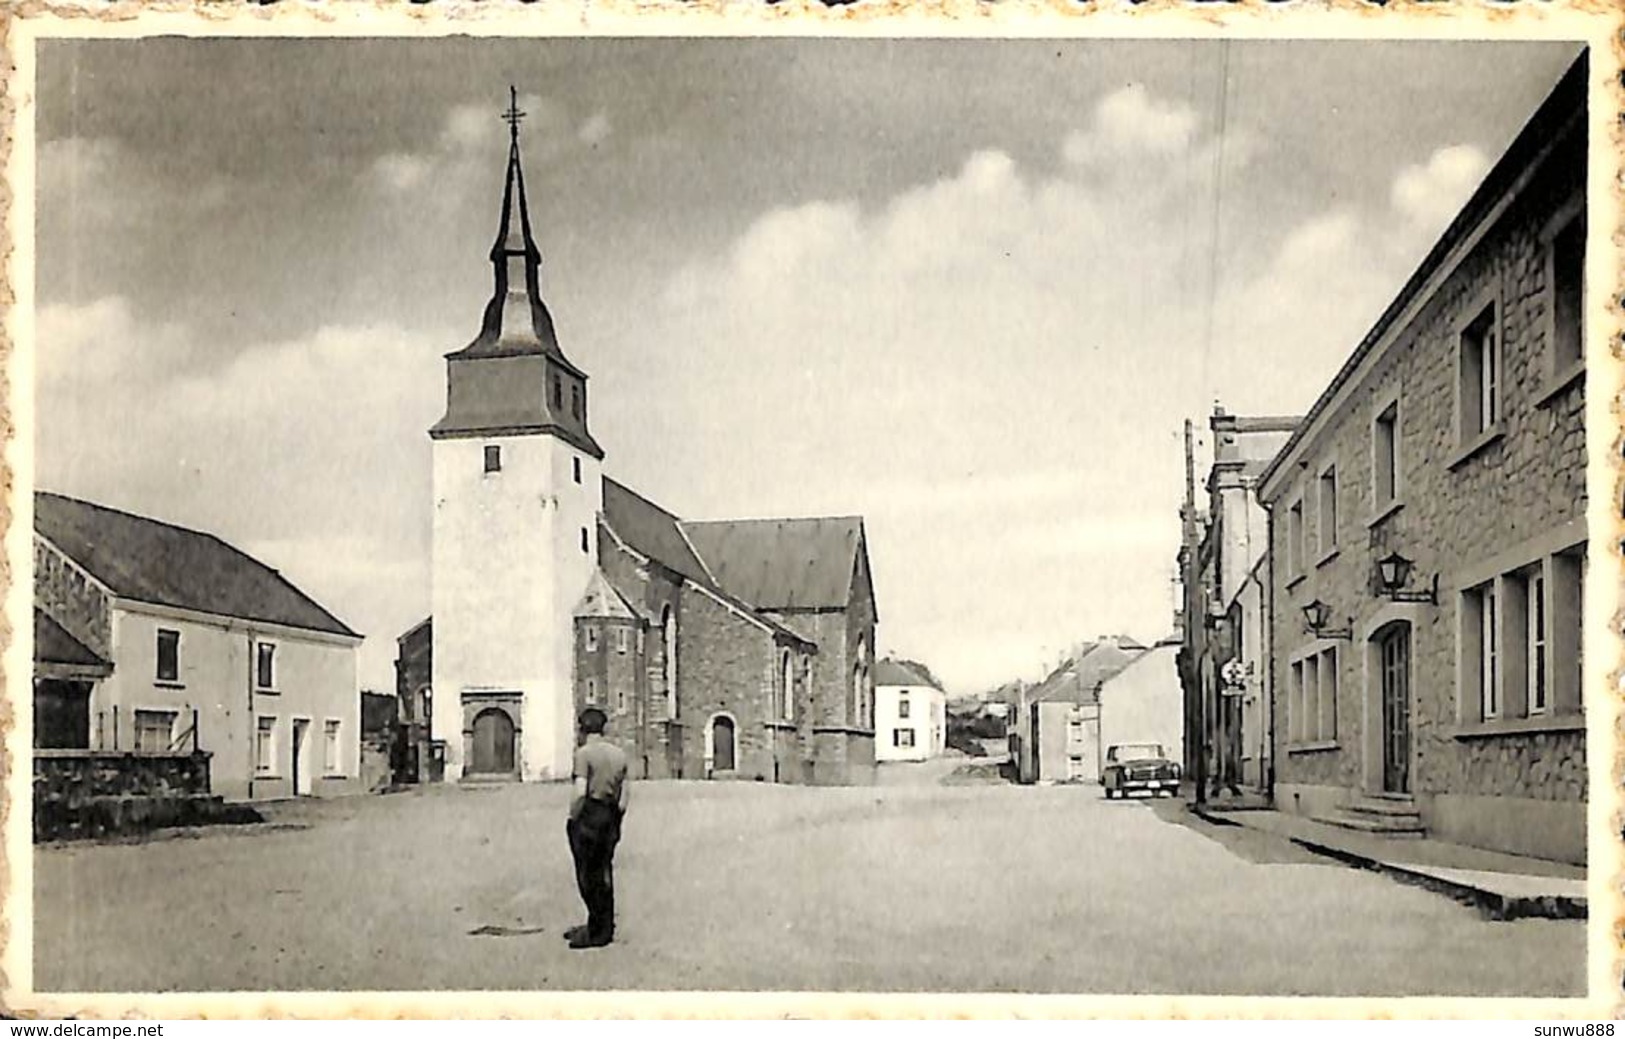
593, 837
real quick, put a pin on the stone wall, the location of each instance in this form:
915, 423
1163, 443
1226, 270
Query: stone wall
728, 665
1466, 509
87, 793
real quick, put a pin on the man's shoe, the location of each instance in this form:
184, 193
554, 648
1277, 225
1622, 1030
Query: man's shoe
587, 941
578, 929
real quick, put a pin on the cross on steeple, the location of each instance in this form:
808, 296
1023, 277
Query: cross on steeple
513, 114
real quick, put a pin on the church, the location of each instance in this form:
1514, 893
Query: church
719, 649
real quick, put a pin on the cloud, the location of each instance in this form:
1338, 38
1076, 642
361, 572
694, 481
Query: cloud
595, 130
1430, 193
1131, 121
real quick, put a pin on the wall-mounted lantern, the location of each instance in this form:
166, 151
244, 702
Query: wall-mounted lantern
1394, 572
1317, 614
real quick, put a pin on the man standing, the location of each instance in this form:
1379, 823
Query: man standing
594, 827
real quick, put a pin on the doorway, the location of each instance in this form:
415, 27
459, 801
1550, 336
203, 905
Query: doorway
722, 744
301, 770
493, 743
1394, 654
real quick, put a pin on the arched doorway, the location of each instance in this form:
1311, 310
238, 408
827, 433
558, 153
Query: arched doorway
722, 744
492, 753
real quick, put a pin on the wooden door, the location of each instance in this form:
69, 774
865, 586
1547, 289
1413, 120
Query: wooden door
493, 743
1395, 650
722, 745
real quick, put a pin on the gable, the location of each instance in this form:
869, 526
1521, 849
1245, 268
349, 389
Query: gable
154, 562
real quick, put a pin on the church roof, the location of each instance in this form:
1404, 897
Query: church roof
651, 531
782, 564
602, 600
155, 562
54, 645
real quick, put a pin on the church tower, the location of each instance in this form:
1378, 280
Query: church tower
517, 493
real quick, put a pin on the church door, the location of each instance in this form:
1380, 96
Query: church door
722, 745
493, 743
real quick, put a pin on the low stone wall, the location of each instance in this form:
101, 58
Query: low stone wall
95, 793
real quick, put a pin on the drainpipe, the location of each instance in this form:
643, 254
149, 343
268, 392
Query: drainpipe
1269, 645
253, 726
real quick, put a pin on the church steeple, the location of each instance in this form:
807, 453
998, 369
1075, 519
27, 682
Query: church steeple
516, 318
513, 377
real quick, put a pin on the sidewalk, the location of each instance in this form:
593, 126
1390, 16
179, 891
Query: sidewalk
1504, 887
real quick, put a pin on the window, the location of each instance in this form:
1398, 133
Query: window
902, 707
592, 690
620, 699
1480, 393
1535, 655
154, 730
1567, 275
620, 640
584, 547
331, 760
642, 646
668, 663
1385, 458
902, 737
1074, 731
169, 655
1327, 516
788, 687
575, 400
1312, 716
592, 638
265, 666
1294, 535
493, 458
575, 468
558, 392
1479, 657
265, 745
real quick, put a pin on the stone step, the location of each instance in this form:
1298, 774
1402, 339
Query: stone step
1380, 825
1384, 807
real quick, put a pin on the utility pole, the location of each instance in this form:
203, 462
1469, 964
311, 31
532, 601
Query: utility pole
1195, 621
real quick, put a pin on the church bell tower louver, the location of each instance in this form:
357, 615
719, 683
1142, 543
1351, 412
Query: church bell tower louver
517, 493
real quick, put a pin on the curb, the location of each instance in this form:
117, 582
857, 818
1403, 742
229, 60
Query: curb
1492, 904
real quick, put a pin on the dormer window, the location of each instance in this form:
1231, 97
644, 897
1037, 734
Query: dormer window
493, 458
575, 400
558, 391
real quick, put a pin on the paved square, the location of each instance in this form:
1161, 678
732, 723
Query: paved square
973, 888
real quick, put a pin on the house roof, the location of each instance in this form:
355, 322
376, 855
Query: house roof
1564, 108
155, 562
54, 645
895, 672
1079, 679
783, 564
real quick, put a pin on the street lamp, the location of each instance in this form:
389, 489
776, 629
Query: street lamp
1394, 572
1316, 615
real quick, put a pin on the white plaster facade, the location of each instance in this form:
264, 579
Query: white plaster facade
1144, 703
926, 724
514, 550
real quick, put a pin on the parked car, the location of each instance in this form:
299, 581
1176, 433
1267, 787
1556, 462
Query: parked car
1138, 766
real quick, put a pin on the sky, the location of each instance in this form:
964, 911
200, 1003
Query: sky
966, 289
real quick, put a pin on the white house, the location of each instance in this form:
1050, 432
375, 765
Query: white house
911, 714
200, 646
1144, 702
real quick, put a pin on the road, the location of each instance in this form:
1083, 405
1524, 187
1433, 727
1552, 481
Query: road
906, 886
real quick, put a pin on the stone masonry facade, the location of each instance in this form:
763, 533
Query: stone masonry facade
1494, 746
71, 598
